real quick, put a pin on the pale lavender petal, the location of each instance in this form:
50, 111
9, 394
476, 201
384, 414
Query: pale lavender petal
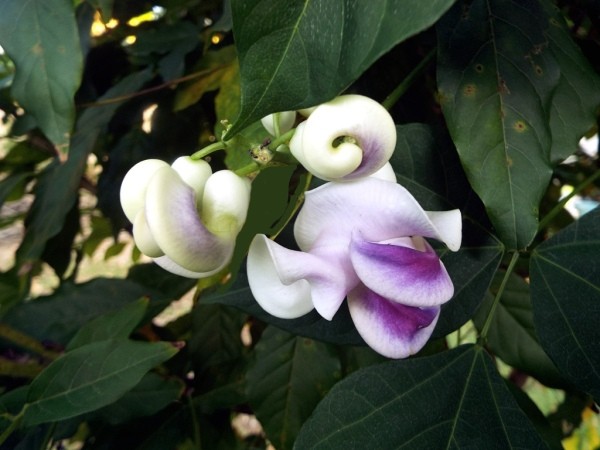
176, 226
288, 283
391, 329
168, 264
378, 209
411, 276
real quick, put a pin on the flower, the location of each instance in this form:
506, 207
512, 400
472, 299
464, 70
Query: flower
349, 137
184, 216
285, 123
363, 240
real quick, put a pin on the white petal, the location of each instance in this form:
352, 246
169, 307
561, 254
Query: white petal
225, 203
359, 118
286, 121
193, 172
285, 300
386, 173
143, 236
133, 187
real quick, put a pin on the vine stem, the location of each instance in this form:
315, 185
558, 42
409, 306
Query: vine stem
399, 91
283, 139
559, 206
492, 311
215, 146
15, 422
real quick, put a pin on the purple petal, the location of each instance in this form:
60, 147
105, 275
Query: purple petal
378, 209
402, 273
391, 329
176, 226
287, 283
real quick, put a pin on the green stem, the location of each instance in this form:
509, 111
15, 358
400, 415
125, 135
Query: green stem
216, 146
248, 169
15, 421
560, 205
395, 95
490, 316
195, 425
283, 139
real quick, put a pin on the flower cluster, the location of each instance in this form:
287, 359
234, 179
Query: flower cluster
184, 216
361, 235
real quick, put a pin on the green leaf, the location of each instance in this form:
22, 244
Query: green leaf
152, 394
10, 183
288, 378
48, 62
565, 289
340, 330
58, 186
299, 53
577, 95
454, 399
496, 80
112, 325
91, 377
57, 317
512, 336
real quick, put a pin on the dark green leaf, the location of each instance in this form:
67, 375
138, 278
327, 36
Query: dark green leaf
577, 95
57, 317
340, 330
13, 289
454, 399
288, 378
10, 183
48, 62
157, 279
152, 394
91, 377
496, 80
57, 188
512, 336
300, 53
112, 325
565, 289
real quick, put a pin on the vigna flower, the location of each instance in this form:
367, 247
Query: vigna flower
285, 122
184, 216
363, 240
350, 137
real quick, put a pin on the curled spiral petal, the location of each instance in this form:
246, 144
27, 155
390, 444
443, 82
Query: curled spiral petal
350, 137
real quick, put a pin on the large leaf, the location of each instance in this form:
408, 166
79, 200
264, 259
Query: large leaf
512, 336
112, 325
288, 378
496, 80
300, 53
565, 289
91, 377
577, 95
57, 188
58, 317
454, 399
48, 62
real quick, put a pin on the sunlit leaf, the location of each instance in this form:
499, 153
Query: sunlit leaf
565, 289
57, 188
288, 378
91, 377
496, 79
454, 399
300, 53
48, 62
